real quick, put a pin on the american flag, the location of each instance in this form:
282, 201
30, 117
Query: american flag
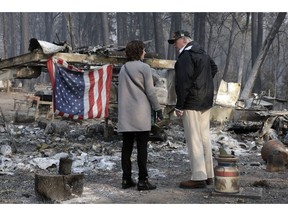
77, 93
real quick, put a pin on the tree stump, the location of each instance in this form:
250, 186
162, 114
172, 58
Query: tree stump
58, 187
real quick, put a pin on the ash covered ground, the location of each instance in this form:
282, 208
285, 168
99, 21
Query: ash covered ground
99, 160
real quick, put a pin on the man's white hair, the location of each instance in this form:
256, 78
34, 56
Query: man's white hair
188, 39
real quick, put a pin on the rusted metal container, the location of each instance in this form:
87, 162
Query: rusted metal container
275, 155
227, 175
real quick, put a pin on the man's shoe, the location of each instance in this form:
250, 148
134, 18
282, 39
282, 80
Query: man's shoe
192, 184
145, 185
128, 183
209, 181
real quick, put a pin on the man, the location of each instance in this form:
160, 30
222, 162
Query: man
194, 72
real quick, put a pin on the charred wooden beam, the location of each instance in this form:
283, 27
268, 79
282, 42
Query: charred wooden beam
39, 59
28, 72
272, 113
244, 127
29, 59
121, 54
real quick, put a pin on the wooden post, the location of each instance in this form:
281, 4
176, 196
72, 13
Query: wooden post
65, 166
106, 130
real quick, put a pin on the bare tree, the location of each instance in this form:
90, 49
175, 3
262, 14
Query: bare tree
148, 31
12, 39
121, 26
210, 21
158, 29
262, 54
244, 31
226, 75
256, 44
70, 27
63, 30
4, 36
176, 24
48, 19
199, 28
105, 28
24, 18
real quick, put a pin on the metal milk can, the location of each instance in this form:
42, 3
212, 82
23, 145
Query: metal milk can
226, 174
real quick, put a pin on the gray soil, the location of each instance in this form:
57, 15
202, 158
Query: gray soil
167, 164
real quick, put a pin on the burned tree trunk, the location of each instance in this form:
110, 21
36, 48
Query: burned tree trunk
261, 56
59, 187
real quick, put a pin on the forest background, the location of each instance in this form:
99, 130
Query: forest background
248, 47
222, 39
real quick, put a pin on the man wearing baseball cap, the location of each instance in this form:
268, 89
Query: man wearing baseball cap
177, 35
194, 73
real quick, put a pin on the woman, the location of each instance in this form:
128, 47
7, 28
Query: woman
136, 97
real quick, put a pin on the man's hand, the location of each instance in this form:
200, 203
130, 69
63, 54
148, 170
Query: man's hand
179, 113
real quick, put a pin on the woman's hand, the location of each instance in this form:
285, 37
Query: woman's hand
159, 115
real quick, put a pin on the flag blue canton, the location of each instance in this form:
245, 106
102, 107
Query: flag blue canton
77, 93
69, 91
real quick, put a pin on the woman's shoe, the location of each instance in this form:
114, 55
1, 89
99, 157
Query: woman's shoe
145, 185
128, 183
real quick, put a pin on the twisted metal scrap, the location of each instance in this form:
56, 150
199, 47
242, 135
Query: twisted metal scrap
7, 130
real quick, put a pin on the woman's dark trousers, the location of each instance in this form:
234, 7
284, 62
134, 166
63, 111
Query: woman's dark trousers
127, 148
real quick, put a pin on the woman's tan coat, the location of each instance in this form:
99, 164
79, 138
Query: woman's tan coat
136, 97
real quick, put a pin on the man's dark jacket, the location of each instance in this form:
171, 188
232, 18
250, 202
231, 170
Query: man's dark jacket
194, 72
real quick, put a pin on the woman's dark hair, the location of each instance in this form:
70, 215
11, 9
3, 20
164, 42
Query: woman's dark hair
134, 50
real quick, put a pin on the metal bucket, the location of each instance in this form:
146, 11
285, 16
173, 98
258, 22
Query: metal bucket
227, 175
